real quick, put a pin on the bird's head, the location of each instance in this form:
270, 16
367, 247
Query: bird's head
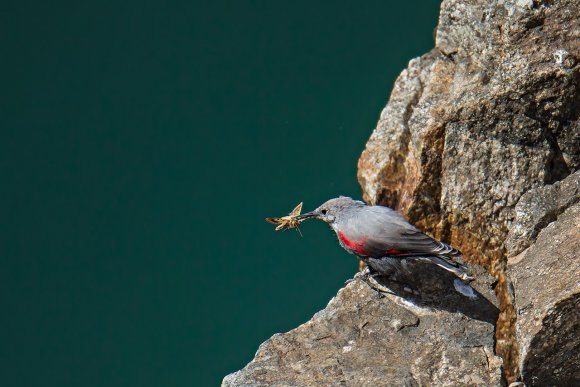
332, 210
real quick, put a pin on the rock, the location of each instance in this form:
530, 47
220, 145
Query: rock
537, 208
472, 126
361, 339
473, 134
546, 280
489, 114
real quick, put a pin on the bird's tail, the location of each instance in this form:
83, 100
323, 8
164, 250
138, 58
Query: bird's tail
446, 263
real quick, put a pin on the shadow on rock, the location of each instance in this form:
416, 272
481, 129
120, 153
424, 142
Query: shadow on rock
430, 286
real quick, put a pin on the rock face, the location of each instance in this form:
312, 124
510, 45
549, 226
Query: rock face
488, 115
537, 208
362, 339
546, 279
478, 146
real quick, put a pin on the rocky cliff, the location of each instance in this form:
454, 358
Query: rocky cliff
479, 145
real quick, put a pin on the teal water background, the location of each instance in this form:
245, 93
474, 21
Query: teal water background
142, 145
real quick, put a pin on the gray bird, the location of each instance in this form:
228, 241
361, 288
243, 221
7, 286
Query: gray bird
382, 238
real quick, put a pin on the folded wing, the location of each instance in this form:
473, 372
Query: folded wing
388, 233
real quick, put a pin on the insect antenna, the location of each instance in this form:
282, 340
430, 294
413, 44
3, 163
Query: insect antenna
299, 232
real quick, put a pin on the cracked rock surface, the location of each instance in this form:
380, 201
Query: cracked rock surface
487, 115
361, 339
539, 207
484, 123
546, 281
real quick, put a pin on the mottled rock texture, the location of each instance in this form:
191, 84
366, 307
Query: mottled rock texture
362, 339
537, 208
486, 120
488, 115
546, 280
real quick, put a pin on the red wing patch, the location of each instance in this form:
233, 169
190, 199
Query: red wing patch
393, 252
356, 246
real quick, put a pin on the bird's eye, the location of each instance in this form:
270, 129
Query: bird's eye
324, 211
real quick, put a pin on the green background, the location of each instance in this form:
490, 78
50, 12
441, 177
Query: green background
142, 145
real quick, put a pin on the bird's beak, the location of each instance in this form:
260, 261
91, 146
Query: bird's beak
307, 215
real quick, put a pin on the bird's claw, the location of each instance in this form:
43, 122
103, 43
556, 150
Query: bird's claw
375, 285
359, 276
369, 279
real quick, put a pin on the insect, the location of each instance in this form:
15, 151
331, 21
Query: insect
289, 221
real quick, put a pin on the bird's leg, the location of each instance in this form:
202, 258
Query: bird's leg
392, 277
363, 271
368, 278
360, 275
395, 281
375, 285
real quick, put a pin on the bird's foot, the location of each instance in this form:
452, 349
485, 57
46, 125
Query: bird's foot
467, 277
375, 285
359, 276
368, 278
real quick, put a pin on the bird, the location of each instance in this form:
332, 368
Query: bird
382, 238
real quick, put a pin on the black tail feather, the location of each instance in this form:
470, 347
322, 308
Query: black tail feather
388, 264
453, 266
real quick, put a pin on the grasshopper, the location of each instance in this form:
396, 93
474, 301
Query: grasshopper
289, 221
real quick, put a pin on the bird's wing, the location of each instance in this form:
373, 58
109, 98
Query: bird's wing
387, 232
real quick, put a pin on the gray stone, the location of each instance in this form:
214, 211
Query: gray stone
361, 339
470, 127
537, 208
487, 116
546, 279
